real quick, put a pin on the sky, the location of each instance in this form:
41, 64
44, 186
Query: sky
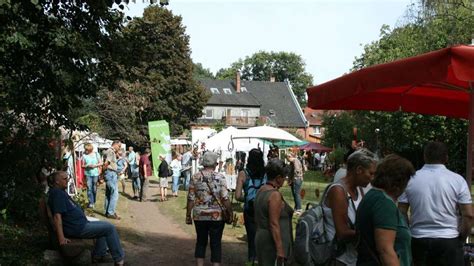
328, 34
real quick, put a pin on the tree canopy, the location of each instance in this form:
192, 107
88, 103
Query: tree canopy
200, 72
76, 64
426, 28
156, 79
280, 65
54, 54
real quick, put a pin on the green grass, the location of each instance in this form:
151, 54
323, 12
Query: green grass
313, 180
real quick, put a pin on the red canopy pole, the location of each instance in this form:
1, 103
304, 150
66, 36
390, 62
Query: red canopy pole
470, 142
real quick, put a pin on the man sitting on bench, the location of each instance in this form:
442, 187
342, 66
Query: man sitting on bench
70, 221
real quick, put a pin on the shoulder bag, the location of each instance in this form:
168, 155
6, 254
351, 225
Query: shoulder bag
226, 213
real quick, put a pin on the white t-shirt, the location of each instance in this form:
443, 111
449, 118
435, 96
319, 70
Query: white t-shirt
176, 167
434, 193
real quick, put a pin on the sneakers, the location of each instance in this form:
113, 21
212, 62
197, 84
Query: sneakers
298, 212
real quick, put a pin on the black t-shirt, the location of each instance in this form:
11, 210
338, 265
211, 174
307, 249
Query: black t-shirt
163, 170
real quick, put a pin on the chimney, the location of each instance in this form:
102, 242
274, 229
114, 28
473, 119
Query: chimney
272, 78
237, 81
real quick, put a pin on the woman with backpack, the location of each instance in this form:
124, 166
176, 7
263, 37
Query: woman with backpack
273, 239
340, 204
250, 179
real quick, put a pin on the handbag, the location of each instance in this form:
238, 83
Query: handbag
226, 213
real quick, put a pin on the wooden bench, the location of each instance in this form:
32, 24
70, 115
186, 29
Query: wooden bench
77, 252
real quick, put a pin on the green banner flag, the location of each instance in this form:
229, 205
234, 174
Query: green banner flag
160, 142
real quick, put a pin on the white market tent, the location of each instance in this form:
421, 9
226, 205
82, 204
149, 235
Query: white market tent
180, 142
224, 144
266, 132
97, 141
221, 140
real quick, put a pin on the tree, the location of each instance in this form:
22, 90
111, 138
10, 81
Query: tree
199, 72
280, 65
338, 129
54, 54
427, 28
156, 79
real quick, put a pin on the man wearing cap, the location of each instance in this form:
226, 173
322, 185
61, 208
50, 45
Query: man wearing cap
145, 173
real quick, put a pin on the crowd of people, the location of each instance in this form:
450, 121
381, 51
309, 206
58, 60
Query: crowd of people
112, 167
377, 212
365, 210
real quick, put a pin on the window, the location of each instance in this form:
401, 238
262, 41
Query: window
228, 112
317, 130
244, 112
243, 89
215, 91
227, 91
209, 113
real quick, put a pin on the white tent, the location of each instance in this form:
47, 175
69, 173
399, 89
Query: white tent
82, 137
224, 144
266, 132
180, 142
221, 140
198, 136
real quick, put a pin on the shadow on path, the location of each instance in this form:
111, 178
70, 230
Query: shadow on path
151, 238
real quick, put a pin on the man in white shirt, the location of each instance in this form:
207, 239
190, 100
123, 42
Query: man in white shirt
441, 213
131, 159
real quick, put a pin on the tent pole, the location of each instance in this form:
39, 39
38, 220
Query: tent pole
470, 145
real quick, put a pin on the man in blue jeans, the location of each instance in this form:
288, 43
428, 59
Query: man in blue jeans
296, 179
186, 165
111, 180
70, 221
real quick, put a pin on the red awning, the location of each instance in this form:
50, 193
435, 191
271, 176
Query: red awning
314, 146
436, 83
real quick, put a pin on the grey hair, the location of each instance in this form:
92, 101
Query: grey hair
362, 157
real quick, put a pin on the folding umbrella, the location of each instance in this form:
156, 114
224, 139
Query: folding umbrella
435, 83
315, 146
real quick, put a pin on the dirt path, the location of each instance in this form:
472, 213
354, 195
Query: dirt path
151, 238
